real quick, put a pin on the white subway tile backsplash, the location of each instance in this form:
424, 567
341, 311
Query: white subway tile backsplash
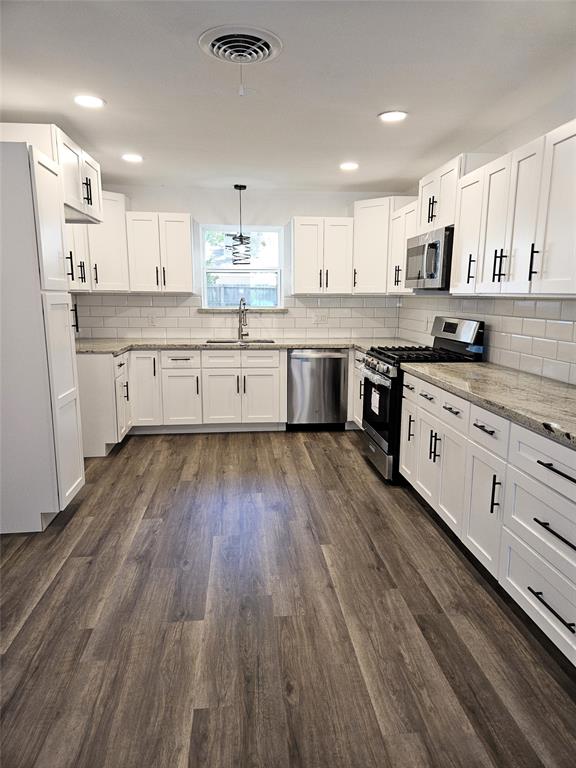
561, 330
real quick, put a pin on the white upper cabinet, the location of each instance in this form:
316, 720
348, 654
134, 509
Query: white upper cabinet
467, 232
338, 246
107, 246
159, 252
92, 185
525, 175
77, 257
437, 196
555, 252
492, 261
402, 227
49, 222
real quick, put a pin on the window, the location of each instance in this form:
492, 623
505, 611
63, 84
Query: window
259, 282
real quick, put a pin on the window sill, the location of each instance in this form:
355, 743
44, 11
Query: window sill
251, 310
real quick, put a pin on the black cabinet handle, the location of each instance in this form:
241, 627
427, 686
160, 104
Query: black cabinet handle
157, 276
361, 390
411, 421
121, 365
469, 275
320, 278
430, 398
570, 625
71, 259
127, 393
244, 384
197, 385
546, 527
493, 502
410, 387
163, 275
494, 265
355, 275
74, 311
430, 444
531, 270
429, 219
482, 428
326, 278
96, 273
435, 454
86, 184
552, 468
501, 258
154, 366
82, 267
453, 411
433, 203
89, 183
180, 358
237, 385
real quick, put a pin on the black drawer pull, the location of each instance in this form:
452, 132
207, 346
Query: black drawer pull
570, 625
411, 421
180, 358
410, 387
493, 502
453, 411
482, 428
121, 365
552, 468
546, 527
430, 398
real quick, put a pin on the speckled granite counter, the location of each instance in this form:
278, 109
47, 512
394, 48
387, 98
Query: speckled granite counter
542, 405
119, 346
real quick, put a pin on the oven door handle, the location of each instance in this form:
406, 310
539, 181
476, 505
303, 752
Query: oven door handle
378, 381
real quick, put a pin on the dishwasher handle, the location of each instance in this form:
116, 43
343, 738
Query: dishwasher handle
318, 354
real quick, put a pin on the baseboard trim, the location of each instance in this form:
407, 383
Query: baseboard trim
185, 429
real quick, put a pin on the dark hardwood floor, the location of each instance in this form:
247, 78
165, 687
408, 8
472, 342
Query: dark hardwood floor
263, 600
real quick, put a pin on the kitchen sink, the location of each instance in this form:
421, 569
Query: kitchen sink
243, 343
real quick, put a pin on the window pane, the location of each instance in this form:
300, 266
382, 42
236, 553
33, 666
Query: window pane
225, 289
264, 250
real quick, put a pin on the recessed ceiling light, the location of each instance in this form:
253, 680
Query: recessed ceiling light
129, 157
394, 116
350, 165
92, 102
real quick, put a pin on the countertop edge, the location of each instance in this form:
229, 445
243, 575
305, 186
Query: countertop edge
564, 438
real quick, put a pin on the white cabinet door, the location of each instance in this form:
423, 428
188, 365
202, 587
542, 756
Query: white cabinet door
452, 448
484, 496
467, 232
107, 246
121, 407
427, 192
308, 254
64, 395
428, 468
444, 209
143, 251
70, 158
221, 396
409, 441
525, 176
358, 396
493, 260
92, 185
175, 252
49, 222
144, 388
77, 257
338, 247
556, 226
181, 396
260, 395
371, 221
402, 227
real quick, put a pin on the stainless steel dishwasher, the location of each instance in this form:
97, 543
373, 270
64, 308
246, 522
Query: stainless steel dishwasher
317, 386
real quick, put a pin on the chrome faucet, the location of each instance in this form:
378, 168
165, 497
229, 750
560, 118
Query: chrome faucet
242, 319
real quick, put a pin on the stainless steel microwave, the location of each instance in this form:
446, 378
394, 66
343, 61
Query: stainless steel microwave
428, 259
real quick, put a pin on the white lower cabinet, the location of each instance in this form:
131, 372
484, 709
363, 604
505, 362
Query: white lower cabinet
221, 397
144, 389
451, 448
260, 395
181, 396
409, 442
121, 390
358, 396
485, 477
427, 473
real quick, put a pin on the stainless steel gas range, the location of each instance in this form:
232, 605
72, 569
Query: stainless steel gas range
456, 340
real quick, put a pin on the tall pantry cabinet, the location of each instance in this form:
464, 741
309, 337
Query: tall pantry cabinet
41, 457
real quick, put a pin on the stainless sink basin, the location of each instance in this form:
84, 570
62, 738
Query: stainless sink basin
244, 343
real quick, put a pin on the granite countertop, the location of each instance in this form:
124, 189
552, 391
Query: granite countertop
542, 405
119, 346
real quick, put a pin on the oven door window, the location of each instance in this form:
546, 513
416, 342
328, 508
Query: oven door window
432, 260
376, 412
414, 263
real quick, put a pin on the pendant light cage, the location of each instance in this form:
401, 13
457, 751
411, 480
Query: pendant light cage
240, 243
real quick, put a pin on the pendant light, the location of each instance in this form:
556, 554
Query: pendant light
240, 245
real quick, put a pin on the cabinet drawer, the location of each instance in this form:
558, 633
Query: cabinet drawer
410, 388
542, 591
183, 359
454, 411
543, 519
489, 430
120, 364
544, 460
428, 397
220, 358
260, 358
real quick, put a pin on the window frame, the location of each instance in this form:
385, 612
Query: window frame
279, 271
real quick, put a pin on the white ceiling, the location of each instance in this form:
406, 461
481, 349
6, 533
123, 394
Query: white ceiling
465, 71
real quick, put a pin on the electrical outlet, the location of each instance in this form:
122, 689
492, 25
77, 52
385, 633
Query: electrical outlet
321, 318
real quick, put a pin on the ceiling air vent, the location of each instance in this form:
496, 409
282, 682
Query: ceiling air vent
240, 45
